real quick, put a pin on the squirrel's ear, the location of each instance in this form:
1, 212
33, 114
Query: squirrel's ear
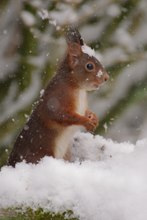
74, 49
74, 42
74, 52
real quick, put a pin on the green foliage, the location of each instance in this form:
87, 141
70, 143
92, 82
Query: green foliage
39, 214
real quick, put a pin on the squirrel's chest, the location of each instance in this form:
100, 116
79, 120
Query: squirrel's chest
81, 102
64, 140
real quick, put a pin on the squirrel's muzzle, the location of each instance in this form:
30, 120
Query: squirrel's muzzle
102, 75
106, 76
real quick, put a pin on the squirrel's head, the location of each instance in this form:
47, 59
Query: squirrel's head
88, 71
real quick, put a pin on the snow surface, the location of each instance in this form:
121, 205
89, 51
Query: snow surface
107, 181
88, 50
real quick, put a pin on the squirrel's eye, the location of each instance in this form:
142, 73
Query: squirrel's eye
89, 66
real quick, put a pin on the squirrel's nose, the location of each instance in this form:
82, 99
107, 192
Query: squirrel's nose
106, 77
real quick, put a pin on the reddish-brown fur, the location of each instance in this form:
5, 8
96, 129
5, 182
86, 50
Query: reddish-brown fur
56, 110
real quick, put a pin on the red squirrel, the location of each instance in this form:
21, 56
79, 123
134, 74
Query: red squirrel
62, 109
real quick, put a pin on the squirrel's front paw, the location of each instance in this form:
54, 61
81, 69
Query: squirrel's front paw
92, 121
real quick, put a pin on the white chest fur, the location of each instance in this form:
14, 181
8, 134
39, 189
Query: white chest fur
64, 140
81, 102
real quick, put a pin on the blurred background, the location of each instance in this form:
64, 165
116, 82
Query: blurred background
32, 42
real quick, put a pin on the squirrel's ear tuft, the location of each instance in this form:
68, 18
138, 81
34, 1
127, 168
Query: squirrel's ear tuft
73, 36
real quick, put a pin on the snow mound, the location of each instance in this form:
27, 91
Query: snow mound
106, 181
